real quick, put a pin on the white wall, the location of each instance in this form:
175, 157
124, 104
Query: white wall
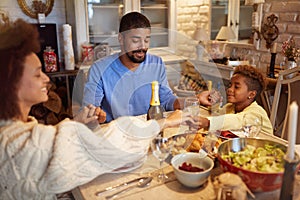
57, 16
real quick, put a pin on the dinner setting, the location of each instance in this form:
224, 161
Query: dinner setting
149, 99
194, 166
233, 157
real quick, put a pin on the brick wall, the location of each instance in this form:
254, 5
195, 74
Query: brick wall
192, 13
288, 24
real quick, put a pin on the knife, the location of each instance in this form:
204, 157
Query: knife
111, 188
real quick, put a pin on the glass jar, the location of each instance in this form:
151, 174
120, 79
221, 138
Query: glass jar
101, 50
50, 60
87, 54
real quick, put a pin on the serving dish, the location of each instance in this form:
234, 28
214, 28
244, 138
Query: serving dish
193, 141
255, 180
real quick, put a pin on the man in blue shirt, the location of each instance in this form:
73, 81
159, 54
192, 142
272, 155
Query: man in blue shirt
121, 83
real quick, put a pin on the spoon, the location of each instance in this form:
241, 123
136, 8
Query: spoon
143, 182
202, 153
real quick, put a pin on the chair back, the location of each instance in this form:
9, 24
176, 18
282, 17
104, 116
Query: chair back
287, 90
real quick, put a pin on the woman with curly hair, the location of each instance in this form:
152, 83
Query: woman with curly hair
245, 86
39, 161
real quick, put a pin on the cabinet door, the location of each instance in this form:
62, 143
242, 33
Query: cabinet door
103, 18
233, 13
157, 11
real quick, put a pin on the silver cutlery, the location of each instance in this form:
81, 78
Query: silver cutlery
111, 188
143, 182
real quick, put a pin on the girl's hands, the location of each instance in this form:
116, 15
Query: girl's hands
209, 98
178, 117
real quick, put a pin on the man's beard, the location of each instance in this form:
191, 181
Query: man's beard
134, 59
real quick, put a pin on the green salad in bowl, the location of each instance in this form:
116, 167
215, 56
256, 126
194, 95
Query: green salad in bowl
259, 162
268, 158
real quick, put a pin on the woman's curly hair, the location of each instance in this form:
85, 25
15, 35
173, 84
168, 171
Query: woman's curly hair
255, 79
17, 40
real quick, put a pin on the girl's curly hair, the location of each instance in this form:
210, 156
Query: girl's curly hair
255, 79
17, 40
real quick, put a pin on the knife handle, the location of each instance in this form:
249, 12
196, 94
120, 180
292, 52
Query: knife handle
111, 188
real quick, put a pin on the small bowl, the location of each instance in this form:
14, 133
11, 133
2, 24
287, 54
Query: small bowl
192, 179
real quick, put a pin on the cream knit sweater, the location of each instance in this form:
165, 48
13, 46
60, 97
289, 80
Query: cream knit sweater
231, 120
38, 161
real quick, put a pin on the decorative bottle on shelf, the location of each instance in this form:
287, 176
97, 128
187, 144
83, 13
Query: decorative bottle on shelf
155, 110
50, 60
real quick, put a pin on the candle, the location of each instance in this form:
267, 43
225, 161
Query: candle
274, 48
292, 129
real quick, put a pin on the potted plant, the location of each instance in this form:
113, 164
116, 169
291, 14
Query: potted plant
291, 52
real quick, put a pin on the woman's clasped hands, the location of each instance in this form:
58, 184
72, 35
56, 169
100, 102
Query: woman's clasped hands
89, 114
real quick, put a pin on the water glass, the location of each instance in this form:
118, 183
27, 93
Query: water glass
252, 125
191, 105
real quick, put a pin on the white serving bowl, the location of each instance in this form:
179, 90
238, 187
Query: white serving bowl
192, 179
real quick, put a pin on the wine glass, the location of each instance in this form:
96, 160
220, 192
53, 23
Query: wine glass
251, 125
191, 105
161, 148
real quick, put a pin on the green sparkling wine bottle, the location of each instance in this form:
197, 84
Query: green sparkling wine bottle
155, 110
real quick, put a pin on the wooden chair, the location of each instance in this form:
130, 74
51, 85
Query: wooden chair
287, 90
267, 95
266, 98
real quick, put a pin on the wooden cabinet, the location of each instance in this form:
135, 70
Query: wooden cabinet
102, 18
233, 13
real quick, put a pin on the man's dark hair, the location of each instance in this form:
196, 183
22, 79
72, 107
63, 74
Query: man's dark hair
133, 20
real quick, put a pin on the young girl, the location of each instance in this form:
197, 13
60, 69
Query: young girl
245, 85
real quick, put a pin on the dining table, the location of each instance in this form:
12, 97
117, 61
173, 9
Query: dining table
171, 188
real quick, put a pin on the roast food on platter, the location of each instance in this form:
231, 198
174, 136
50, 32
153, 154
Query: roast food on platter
193, 142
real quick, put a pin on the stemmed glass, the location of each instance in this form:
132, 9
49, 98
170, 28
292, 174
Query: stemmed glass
161, 148
252, 125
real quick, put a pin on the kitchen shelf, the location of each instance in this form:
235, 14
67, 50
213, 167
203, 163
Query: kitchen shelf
116, 35
153, 7
114, 6
103, 35
159, 33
